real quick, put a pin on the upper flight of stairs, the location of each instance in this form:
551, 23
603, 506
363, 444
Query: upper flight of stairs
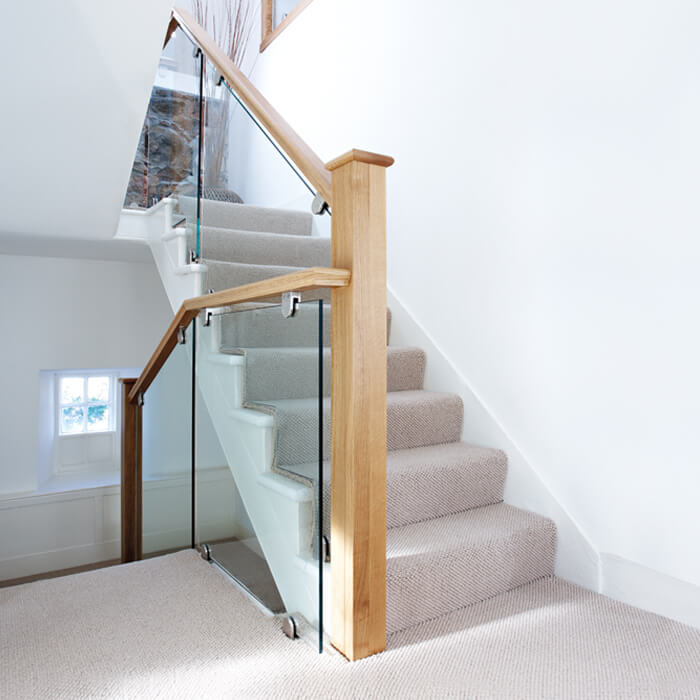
451, 541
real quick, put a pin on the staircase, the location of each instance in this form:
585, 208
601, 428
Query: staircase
451, 541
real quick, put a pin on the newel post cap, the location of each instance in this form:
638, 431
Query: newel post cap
360, 157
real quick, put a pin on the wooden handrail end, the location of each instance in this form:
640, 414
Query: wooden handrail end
361, 157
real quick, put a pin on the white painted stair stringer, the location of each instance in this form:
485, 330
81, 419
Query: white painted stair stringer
181, 279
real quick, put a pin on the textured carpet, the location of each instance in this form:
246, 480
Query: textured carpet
451, 542
259, 248
173, 627
243, 217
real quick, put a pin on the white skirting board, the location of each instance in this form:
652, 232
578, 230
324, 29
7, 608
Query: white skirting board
651, 590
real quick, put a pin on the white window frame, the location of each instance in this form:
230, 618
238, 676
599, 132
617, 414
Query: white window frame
111, 403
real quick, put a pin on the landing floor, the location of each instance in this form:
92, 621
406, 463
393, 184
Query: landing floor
173, 627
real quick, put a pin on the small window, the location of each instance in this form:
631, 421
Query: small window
276, 17
85, 403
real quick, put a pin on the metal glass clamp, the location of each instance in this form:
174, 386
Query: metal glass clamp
319, 205
290, 303
207, 313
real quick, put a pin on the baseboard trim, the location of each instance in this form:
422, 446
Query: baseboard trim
59, 573
635, 584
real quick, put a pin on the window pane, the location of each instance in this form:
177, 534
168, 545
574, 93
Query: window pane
97, 418
72, 389
98, 388
72, 419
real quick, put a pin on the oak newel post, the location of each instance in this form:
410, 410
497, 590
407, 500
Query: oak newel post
358, 408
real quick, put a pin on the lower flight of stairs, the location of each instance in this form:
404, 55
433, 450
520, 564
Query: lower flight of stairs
451, 541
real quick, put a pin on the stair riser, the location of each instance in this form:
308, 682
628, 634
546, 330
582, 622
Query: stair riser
294, 375
246, 218
434, 585
412, 425
265, 248
435, 493
439, 492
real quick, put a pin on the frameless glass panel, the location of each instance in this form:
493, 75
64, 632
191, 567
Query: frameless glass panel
167, 454
248, 186
262, 426
166, 161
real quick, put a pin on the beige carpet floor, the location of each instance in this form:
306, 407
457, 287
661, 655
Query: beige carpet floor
173, 627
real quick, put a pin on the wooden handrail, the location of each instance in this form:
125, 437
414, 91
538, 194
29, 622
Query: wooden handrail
288, 140
311, 278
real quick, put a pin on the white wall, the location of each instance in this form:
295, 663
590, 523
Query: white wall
91, 314
76, 86
545, 198
60, 313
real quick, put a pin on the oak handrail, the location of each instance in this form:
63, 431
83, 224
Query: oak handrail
305, 280
290, 142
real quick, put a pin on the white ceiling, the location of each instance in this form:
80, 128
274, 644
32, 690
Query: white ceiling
75, 81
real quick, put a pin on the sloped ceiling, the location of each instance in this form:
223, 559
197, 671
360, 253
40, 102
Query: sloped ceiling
75, 82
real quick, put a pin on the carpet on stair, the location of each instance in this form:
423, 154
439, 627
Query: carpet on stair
258, 248
265, 327
443, 564
451, 541
414, 419
293, 373
428, 482
246, 217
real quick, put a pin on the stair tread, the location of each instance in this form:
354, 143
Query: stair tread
394, 398
468, 529
226, 264
225, 230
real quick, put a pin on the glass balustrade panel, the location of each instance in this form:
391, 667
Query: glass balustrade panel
262, 415
167, 520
